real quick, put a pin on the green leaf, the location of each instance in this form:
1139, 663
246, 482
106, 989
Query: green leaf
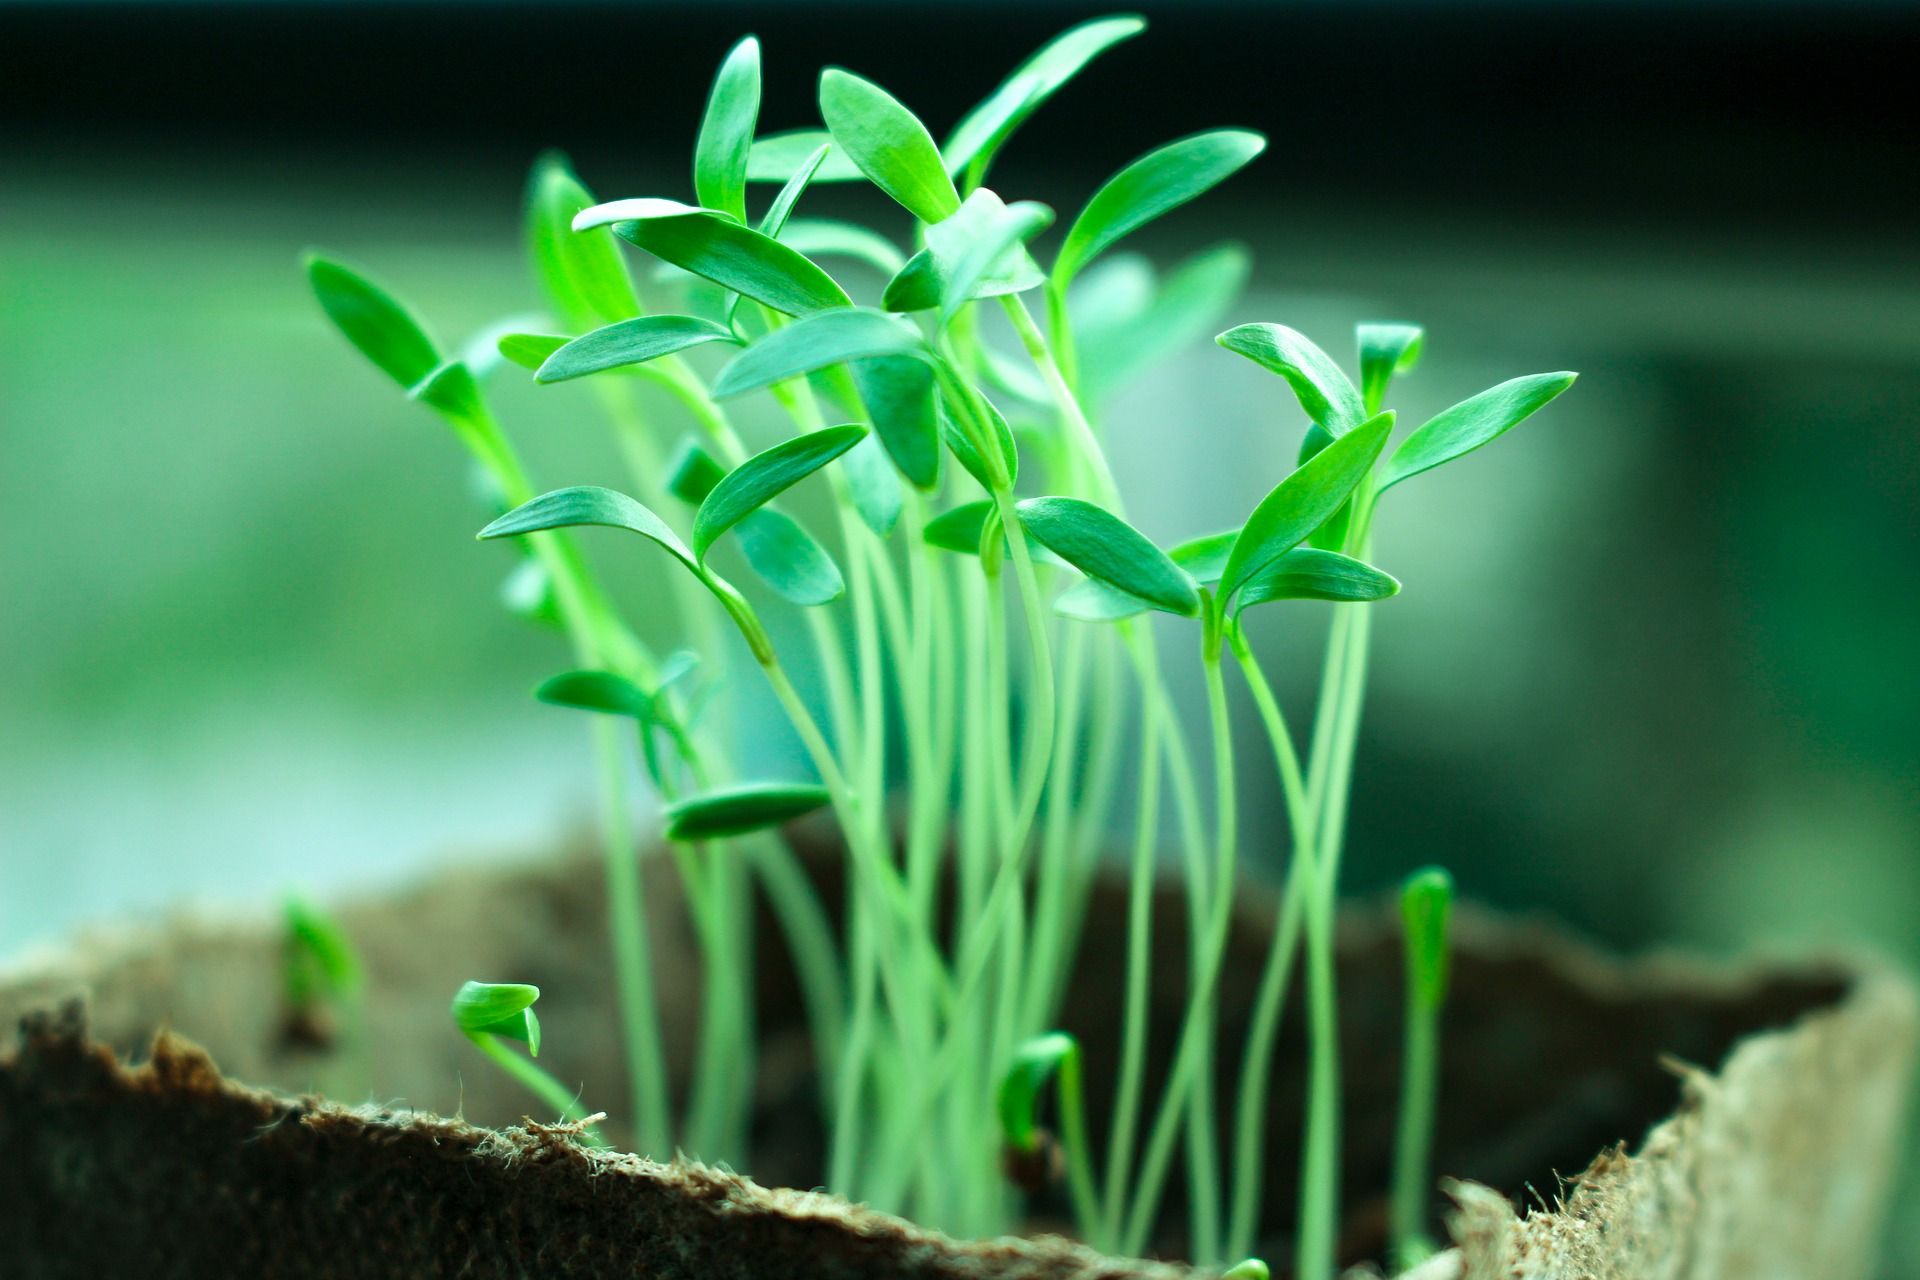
582, 272
588, 504
778, 156
692, 473
1302, 502
1326, 393
961, 528
373, 320
726, 132
824, 237
1426, 900
782, 207
1091, 600
888, 143
1102, 545
715, 247
751, 806
926, 280
1034, 1063
1188, 305
530, 350
1205, 558
1309, 573
962, 447
898, 394
601, 691
1247, 1269
1157, 182
873, 485
1385, 349
785, 557
451, 390
765, 476
1471, 423
499, 1009
814, 342
992, 263
321, 962
981, 133
630, 342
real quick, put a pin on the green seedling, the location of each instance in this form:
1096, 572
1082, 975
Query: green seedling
1426, 900
490, 1013
965, 653
325, 992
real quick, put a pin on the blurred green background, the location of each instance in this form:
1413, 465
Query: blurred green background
1652, 673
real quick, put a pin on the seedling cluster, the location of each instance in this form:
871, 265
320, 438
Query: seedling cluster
979, 612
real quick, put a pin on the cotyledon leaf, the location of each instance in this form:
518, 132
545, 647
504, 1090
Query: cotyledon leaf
1162, 180
1385, 349
498, 1009
1102, 545
1309, 573
1302, 502
1471, 423
736, 810
373, 320
1034, 1063
765, 476
630, 342
813, 342
785, 556
898, 394
983, 130
530, 350
778, 156
602, 691
726, 132
589, 505
582, 272
985, 262
1091, 600
888, 144
874, 486
717, 248
1325, 392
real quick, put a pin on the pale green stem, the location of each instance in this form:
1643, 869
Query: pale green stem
1413, 1147
556, 1096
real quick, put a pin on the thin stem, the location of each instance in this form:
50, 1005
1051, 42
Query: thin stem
1413, 1147
556, 1096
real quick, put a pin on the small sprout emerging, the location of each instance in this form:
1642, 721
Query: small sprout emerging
1035, 1063
320, 960
1426, 900
753, 806
499, 1009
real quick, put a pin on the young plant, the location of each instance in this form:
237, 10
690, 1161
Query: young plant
1426, 900
490, 1013
938, 530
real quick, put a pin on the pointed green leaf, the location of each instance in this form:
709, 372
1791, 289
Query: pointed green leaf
499, 1009
991, 265
320, 958
1188, 305
785, 557
778, 156
630, 342
1385, 349
751, 806
692, 473
873, 485
898, 394
1102, 545
1308, 573
451, 390
1471, 423
530, 350
1034, 1063
1205, 558
587, 504
373, 320
601, 691
1247, 1269
1426, 900
1157, 182
983, 223
916, 287
814, 342
961, 528
825, 237
782, 207
741, 259
611, 213
765, 476
1326, 393
726, 132
581, 272
1091, 600
963, 450
1302, 502
888, 143
981, 133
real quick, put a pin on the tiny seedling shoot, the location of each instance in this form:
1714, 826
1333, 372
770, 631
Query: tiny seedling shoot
930, 568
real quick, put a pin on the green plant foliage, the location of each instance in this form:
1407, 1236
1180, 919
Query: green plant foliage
530, 350
963, 450
874, 485
816, 342
321, 963
589, 504
502, 1009
692, 473
601, 691
1385, 350
1309, 573
1302, 502
785, 557
898, 394
1327, 394
778, 156
733, 811
629, 342
977, 139
827, 238
888, 143
581, 272
1103, 546
726, 132
960, 528
1034, 1063
990, 265
1156, 183
451, 390
1470, 424
715, 247
373, 320
1190, 303
1247, 1269
781, 210
765, 476
983, 223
